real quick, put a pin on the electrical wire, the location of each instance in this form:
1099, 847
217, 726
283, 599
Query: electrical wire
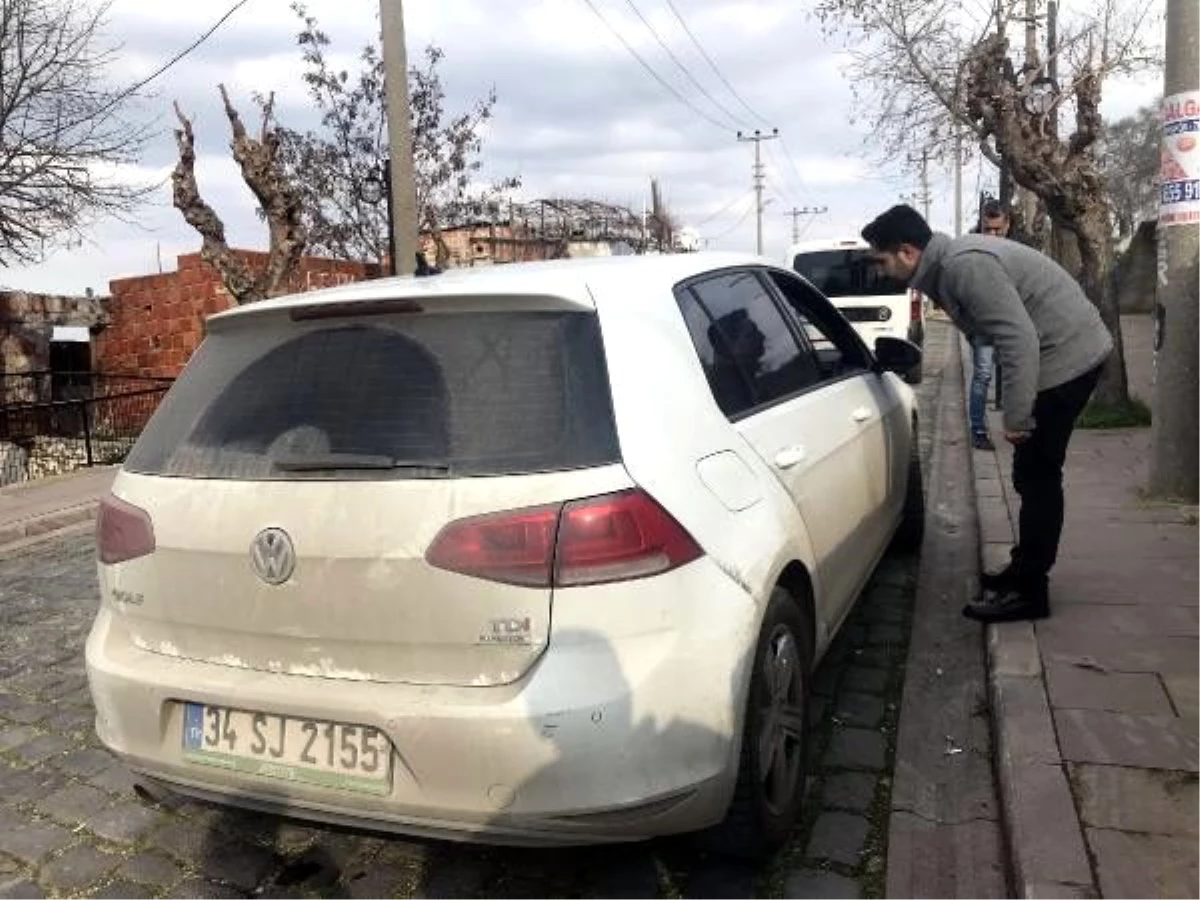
724, 209
712, 65
736, 225
645, 65
687, 73
174, 59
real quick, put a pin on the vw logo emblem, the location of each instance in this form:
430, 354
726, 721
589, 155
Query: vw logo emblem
272, 555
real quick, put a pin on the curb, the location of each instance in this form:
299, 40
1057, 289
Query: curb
1046, 847
23, 532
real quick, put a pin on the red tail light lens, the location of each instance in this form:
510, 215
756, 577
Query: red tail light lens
123, 531
515, 548
615, 537
619, 537
915, 300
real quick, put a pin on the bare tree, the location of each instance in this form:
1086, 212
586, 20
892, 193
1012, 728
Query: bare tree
935, 71
63, 134
1129, 161
338, 171
278, 201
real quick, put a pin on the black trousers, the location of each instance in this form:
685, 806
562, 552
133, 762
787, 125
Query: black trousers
1037, 477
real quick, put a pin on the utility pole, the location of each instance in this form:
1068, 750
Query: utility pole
758, 137
958, 164
1173, 448
402, 178
803, 211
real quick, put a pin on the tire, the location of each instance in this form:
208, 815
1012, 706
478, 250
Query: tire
765, 808
911, 531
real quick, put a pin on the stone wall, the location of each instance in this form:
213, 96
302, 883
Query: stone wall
26, 325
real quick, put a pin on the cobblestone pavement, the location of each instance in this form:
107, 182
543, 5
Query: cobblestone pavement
71, 824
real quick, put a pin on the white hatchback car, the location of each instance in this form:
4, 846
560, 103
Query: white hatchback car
878, 306
538, 554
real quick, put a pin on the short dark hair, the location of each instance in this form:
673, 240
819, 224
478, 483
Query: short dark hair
899, 225
994, 209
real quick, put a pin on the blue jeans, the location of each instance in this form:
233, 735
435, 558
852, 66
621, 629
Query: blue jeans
981, 379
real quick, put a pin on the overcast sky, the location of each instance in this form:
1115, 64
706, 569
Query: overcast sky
577, 114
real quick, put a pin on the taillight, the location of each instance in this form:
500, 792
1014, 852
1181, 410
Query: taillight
615, 537
619, 537
513, 547
123, 531
915, 300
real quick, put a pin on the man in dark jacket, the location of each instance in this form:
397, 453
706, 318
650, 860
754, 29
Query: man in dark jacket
1050, 343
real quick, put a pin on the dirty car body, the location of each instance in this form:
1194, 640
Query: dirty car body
537, 554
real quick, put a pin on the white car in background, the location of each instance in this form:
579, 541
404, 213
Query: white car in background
843, 270
535, 554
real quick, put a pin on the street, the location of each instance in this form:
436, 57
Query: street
73, 825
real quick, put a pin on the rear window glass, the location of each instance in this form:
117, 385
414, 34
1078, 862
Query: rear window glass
415, 396
846, 273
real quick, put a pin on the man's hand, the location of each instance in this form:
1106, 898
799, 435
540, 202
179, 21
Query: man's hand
1017, 437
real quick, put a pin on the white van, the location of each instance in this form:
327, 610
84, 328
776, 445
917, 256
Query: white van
877, 306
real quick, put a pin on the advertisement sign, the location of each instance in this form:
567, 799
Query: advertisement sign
1179, 202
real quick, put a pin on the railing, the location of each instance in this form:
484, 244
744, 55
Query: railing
46, 386
48, 438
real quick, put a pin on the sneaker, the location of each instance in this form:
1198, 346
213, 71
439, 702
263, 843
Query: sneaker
983, 441
1010, 606
1003, 580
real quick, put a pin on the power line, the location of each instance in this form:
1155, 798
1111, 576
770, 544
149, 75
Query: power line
712, 65
684, 69
174, 59
736, 225
645, 65
724, 209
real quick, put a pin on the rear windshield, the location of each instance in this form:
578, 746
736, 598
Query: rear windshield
846, 273
414, 396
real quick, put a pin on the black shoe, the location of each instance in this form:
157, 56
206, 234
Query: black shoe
1004, 580
983, 441
1009, 606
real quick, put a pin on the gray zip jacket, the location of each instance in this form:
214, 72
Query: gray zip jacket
1045, 330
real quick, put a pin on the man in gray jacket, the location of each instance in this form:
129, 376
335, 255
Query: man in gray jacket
1050, 343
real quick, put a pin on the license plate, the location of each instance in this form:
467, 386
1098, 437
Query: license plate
312, 751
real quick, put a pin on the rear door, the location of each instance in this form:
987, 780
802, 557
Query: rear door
355, 441
766, 379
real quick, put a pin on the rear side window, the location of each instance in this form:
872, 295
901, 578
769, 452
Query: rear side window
415, 396
846, 273
749, 353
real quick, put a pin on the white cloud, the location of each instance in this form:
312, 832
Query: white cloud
576, 113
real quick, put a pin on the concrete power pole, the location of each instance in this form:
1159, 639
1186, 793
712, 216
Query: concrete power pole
803, 211
1173, 454
758, 137
402, 176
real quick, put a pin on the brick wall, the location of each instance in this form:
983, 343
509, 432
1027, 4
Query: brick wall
157, 321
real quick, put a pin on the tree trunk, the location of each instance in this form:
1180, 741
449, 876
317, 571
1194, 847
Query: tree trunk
1095, 253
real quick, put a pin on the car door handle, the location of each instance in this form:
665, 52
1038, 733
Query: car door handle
861, 414
789, 457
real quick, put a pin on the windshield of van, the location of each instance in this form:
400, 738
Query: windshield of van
846, 273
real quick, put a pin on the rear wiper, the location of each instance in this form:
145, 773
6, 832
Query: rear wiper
317, 463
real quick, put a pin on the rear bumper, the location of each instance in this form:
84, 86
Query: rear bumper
616, 733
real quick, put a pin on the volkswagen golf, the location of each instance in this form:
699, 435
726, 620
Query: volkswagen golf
536, 554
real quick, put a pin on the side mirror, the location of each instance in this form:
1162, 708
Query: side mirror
897, 355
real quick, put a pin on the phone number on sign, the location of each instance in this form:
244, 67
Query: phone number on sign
1181, 191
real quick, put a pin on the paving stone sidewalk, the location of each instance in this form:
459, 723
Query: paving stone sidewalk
1095, 708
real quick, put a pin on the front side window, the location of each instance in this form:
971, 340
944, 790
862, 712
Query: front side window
838, 350
846, 273
750, 354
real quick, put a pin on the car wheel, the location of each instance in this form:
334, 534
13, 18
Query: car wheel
772, 770
911, 532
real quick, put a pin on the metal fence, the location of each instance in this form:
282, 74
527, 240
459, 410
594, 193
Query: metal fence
90, 420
